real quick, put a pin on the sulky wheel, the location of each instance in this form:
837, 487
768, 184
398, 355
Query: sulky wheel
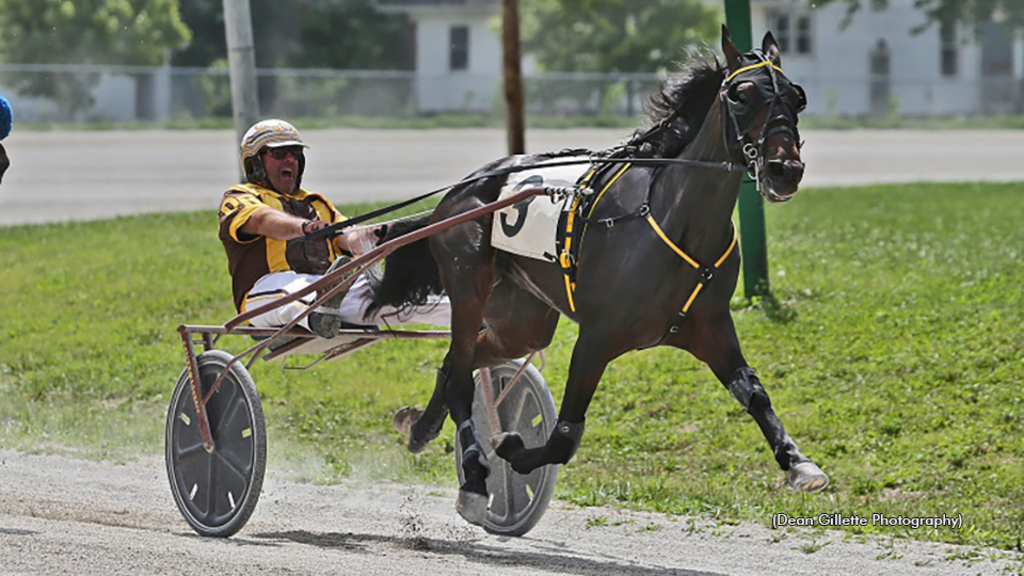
517, 502
217, 491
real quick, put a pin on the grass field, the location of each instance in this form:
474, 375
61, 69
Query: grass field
893, 351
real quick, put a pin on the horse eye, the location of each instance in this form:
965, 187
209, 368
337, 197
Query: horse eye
738, 93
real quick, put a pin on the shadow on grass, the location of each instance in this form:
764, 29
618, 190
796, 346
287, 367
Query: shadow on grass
774, 308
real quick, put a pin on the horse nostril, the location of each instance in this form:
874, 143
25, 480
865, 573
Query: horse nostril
795, 169
787, 170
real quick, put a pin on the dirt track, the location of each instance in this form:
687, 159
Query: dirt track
88, 175
64, 516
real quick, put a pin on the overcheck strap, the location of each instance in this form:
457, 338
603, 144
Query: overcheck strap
752, 67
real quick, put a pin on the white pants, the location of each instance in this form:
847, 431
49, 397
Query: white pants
436, 311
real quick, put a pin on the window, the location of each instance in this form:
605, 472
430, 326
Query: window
803, 35
793, 32
996, 50
458, 48
948, 53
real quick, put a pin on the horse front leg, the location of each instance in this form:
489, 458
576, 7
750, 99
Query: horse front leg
589, 360
718, 346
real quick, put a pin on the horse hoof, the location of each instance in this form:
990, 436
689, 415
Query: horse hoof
472, 507
404, 419
498, 439
807, 477
506, 444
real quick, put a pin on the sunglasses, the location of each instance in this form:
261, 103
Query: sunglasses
284, 152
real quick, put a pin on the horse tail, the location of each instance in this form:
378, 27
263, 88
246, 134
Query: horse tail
410, 274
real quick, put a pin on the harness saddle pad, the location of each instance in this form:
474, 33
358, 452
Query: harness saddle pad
530, 228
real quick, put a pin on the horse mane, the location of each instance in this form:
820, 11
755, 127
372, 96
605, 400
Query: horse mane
688, 94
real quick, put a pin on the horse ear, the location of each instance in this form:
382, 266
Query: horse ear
732, 55
771, 48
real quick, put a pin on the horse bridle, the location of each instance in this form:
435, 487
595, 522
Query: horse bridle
753, 153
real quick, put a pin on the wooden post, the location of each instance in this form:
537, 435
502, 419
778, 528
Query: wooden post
513, 77
242, 61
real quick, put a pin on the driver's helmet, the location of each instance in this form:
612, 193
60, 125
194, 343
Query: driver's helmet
272, 133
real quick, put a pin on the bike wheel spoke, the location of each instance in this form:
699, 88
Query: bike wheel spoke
514, 407
226, 427
210, 496
186, 455
231, 461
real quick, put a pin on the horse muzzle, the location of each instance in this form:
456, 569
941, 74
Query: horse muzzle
782, 178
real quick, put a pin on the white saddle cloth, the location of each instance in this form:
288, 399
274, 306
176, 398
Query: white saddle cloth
529, 228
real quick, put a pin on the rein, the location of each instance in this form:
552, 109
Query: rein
337, 228
752, 153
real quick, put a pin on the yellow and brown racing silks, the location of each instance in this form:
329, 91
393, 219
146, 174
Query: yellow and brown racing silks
252, 257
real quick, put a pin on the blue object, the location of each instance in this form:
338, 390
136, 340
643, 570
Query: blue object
6, 118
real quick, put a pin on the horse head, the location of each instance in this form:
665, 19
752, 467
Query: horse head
760, 106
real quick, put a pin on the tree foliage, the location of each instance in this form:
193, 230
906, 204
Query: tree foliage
91, 31
615, 35
974, 13
134, 32
339, 34
344, 34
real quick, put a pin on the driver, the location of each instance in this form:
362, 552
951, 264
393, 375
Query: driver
262, 223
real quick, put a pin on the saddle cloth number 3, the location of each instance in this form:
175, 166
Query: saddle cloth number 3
529, 228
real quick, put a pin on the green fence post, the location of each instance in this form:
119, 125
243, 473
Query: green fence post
753, 245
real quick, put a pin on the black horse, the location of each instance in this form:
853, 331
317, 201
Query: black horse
662, 275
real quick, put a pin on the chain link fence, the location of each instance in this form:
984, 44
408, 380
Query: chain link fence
82, 93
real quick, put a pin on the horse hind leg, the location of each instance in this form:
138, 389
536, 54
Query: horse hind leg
473, 497
516, 324
467, 272
421, 427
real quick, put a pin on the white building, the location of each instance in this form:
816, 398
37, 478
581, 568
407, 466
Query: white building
874, 66
458, 52
877, 66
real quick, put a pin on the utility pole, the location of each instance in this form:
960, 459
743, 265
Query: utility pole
753, 247
515, 125
242, 61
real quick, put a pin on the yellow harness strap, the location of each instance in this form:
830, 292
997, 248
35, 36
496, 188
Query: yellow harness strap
565, 258
752, 67
704, 277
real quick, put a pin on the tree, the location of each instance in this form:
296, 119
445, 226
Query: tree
133, 32
339, 34
206, 20
975, 13
615, 35
342, 34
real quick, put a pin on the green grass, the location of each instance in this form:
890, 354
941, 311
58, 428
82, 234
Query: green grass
893, 352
